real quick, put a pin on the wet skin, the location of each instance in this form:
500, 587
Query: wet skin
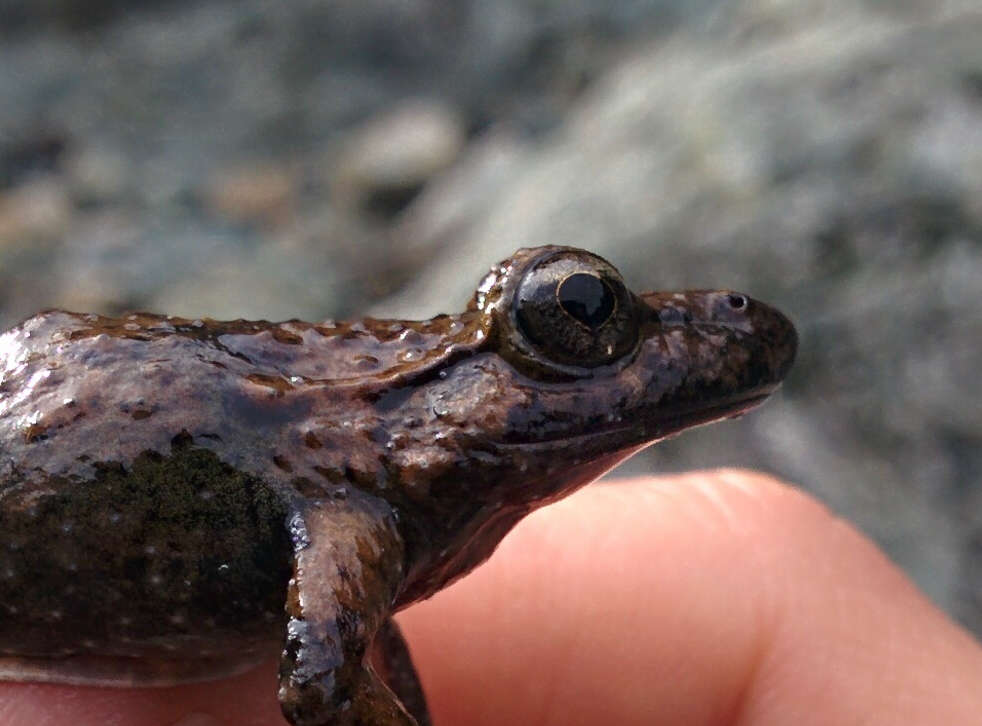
167, 485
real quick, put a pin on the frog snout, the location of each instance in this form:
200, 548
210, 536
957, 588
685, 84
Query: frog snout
768, 332
777, 335
765, 333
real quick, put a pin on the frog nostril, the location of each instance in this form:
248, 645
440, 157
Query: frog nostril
737, 301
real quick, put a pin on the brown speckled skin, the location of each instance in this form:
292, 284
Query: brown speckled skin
167, 484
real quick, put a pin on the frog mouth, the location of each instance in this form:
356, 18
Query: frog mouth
632, 432
666, 422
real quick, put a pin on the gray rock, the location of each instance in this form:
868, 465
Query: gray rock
387, 160
36, 212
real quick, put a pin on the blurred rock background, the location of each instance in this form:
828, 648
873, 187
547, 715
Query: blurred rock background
309, 159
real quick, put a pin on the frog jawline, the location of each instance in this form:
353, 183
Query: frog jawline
652, 429
696, 416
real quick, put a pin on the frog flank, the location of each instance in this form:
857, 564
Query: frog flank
183, 499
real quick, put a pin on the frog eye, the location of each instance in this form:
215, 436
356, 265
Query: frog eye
573, 309
587, 298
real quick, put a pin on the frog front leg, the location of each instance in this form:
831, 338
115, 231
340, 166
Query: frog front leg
390, 656
348, 564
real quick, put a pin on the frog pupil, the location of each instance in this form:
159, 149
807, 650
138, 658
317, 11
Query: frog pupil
586, 298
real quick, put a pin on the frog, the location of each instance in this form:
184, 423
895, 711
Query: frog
184, 499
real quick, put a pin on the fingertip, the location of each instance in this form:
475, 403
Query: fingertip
707, 598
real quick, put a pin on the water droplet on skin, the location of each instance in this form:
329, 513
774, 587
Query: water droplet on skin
366, 362
197, 323
455, 328
411, 355
410, 336
223, 568
296, 379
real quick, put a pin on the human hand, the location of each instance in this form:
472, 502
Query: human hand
716, 598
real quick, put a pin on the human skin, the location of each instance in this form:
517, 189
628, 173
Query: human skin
716, 598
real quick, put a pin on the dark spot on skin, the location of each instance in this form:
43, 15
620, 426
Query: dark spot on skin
311, 440
285, 336
182, 440
364, 479
278, 384
141, 413
282, 463
332, 475
308, 488
113, 467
